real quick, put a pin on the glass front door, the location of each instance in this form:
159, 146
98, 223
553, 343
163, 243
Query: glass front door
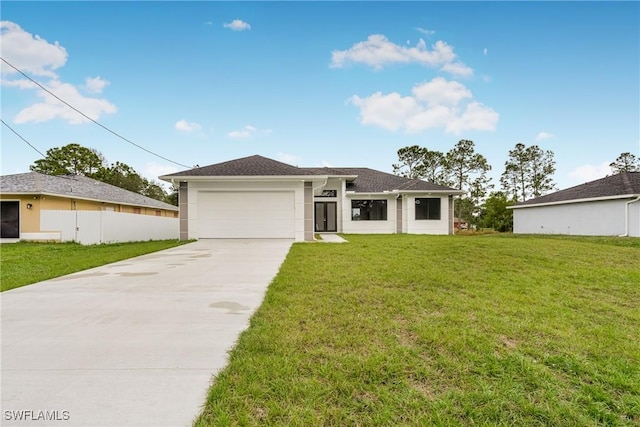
326, 214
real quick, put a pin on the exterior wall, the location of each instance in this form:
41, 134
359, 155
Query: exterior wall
197, 187
599, 218
29, 218
308, 211
426, 226
183, 204
369, 227
93, 227
634, 219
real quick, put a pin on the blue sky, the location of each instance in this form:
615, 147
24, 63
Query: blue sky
324, 83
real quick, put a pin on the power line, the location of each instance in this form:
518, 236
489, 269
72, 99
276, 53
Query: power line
89, 118
20, 136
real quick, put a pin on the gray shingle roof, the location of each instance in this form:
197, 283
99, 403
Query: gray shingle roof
79, 187
246, 166
374, 181
626, 183
367, 181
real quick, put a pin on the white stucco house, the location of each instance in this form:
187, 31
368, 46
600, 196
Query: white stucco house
257, 197
606, 207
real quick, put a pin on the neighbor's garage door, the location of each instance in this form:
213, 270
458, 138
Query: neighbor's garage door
246, 215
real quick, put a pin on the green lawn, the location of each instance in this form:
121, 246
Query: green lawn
442, 330
25, 263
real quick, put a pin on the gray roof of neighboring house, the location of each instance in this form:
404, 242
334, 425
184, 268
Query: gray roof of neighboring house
621, 184
246, 166
78, 187
367, 181
373, 181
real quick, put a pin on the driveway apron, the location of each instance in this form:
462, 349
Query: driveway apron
133, 343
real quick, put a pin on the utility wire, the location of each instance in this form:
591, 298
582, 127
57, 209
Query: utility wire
87, 117
20, 136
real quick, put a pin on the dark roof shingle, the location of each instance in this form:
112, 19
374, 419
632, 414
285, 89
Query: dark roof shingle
622, 184
76, 186
246, 166
374, 181
367, 181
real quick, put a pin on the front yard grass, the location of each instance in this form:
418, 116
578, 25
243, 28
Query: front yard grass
25, 263
441, 330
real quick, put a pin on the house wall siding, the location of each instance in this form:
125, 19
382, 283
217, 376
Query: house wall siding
387, 226
427, 226
598, 218
634, 219
29, 218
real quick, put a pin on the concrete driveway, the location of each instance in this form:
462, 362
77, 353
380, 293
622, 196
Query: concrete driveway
133, 343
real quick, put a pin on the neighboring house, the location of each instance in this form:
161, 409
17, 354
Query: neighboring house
35, 206
460, 224
257, 197
606, 207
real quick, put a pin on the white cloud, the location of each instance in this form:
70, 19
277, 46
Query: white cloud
32, 54
36, 56
185, 126
154, 170
544, 135
425, 31
19, 83
435, 104
237, 25
439, 91
377, 51
246, 132
95, 84
51, 108
291, 159
485, 51
586, 173
208, 23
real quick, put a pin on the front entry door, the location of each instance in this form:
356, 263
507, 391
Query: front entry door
326, 216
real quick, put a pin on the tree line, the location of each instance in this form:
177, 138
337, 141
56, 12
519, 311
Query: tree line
528, 173
74, 159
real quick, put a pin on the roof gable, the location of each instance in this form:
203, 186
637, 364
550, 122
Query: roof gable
621, 184
76, 186
246, 166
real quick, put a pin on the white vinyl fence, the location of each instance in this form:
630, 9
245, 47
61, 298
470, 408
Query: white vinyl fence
91, 227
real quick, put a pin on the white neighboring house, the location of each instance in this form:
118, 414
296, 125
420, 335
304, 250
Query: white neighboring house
606, 207
257, 197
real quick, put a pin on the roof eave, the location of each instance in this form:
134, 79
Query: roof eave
171, 178
399, 192
571, 201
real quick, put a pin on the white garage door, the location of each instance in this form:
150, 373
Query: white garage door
246, 215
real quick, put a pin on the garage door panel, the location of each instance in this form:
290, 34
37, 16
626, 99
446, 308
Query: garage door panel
246, 215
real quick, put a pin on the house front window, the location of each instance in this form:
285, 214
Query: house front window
368, 210
427, 208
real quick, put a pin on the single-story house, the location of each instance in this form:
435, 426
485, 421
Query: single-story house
257, 197
605, 207
36, 206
